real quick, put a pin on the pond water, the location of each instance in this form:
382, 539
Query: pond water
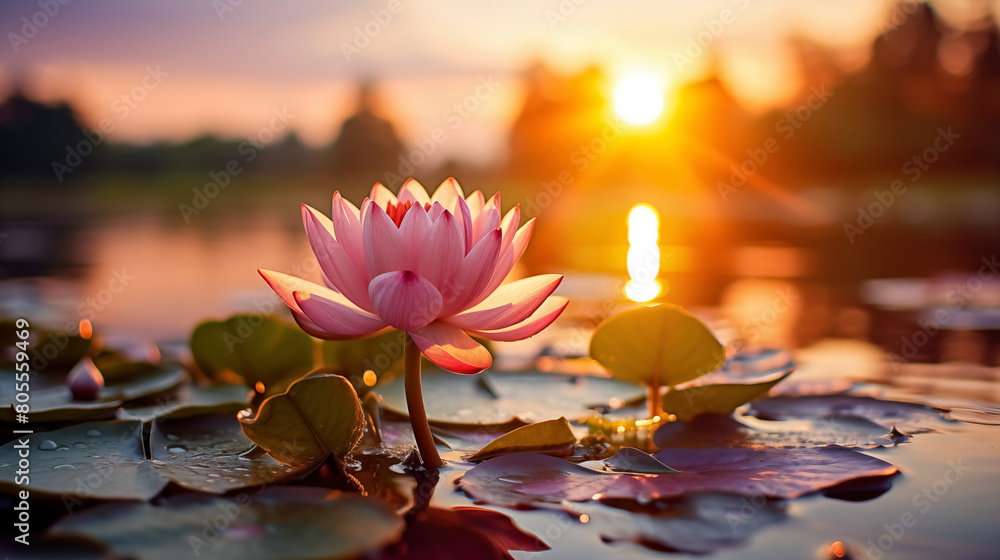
145, 278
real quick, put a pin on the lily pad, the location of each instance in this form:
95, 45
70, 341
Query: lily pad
549, 436
318, 415
699, 524
722, 398
51, 400
530, 397
380, 353
102, 460
663, 344
254, 347
711, 430
290, 523
105, 460
192, 400
51, 351
907, 417
524, 478
206, 453
461, 533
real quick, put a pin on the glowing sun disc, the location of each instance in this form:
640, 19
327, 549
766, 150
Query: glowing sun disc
638, 99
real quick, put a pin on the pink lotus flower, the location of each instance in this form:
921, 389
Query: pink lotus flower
432, 266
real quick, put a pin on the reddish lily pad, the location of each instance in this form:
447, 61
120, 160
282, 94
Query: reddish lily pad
712, 430
291, 523
699, 524
462, 533
907, 417
520, 479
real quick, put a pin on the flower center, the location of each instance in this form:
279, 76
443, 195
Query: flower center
396, 210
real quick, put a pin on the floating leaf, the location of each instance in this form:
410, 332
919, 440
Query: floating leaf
292, 523
520, 479
531, 397
102, 460
632, 460
318, 415
699, 524
716, 398
549, 436
51, 400
711, 430
191, 400
461, 533
205, 453
255, 347
662, 342
908, 417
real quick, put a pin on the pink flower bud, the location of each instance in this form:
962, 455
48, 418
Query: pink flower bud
85, 381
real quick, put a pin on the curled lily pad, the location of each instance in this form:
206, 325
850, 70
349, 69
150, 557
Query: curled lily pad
531, 397
721, 398
318, 415
907, 417
192, 400
520, 479
632, 460
699, 524
291, 523
661, 344
51, 400
207, 453
549, 436
254, 347
102, 460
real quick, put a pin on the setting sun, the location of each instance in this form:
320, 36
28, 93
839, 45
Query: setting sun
638, 99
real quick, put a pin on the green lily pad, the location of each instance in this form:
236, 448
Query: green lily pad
317, 415
205, 453
105, 460
290, 523
51, 400
548, 436
257, 348
662, 343
722, 398
531, 397
381, 353
191, 400
102, 460
50, 351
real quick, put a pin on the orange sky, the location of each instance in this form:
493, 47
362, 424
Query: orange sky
227, 71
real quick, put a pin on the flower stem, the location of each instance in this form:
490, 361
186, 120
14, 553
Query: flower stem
415, 406
654, 396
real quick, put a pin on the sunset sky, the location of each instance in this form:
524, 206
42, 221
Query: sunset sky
230, 63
